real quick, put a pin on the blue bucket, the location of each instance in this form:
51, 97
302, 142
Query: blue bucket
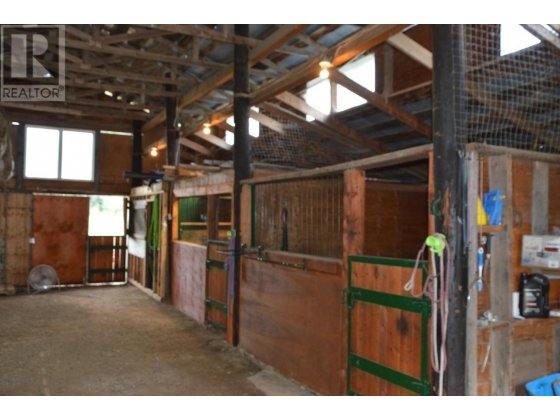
548, 386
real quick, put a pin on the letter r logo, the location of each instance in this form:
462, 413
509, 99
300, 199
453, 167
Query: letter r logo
20, 53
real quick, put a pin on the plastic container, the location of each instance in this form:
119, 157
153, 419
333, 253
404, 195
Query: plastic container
548, 386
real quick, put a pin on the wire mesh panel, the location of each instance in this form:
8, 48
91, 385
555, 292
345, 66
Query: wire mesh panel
303, 216
512, 87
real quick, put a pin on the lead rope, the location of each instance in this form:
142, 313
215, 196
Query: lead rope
438, 293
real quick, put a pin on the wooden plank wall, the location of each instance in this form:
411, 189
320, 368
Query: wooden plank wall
396, 223
137, 269
17, 238
535, 343
188, 279
291, 320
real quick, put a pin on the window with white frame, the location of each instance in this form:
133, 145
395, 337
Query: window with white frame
513, 38
254, 130
318, 93
60, 154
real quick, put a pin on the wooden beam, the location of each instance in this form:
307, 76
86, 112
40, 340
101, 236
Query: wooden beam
142, 55
280, 37
486, 149
544, 35
202, 32
127, 75
539, 206
116, 39
353, 239
379, 102
302, 106
66, 121
412, 49
368, 37
122, 105
312, 43
195, 146
121, 88
34, 106
399, 157
308, 125
267, 121
216, 141
271, 64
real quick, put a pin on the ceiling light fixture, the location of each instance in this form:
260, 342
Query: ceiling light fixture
206, 129
154, 151
146, 110
109, 93
324, 73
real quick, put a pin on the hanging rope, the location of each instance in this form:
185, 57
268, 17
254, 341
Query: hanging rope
436, 288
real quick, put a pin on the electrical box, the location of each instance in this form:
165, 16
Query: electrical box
541, 251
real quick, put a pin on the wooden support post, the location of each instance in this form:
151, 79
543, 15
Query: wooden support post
163, 278
472, 304
212, 221
450, 192
97, 162
241, 157
20, 156
353, 236
172, 135
136, 151
500, 171
539, 210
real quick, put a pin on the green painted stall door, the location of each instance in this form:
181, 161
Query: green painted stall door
387, 328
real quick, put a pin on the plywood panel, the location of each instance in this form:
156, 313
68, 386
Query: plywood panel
116, 157
396, 222
292, 320
60, 231
188, 279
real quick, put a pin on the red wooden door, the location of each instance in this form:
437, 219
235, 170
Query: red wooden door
60, 225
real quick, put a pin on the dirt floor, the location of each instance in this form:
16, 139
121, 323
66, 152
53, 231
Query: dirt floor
113, 341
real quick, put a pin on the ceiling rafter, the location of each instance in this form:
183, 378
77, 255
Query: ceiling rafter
278, 38
381, 103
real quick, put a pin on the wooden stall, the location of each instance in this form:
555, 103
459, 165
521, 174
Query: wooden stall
505, 355
293, 313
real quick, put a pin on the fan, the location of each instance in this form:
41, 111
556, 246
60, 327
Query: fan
42, 278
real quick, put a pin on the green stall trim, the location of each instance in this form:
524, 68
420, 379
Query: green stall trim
216, 304
390, 375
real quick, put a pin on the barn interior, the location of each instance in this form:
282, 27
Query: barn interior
264, 191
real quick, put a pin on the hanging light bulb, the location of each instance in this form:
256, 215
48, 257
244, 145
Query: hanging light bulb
324, 73
206, 129
154, 151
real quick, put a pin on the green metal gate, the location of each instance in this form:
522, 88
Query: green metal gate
387, 328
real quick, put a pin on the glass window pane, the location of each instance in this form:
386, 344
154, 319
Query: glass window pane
106, 216
514, 38
319, 97
361, 72
77, 155
41, 153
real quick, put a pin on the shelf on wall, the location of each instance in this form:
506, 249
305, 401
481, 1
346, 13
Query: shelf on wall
491, 228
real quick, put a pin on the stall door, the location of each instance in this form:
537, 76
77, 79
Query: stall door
216, 285
60, 227
387, 329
